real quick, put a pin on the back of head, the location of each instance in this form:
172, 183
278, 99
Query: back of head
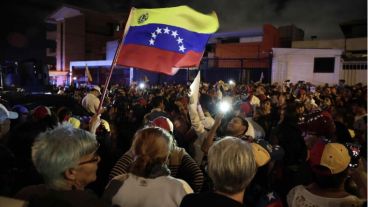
63, 114
319, 123
290, 114
164, 123
231, 165
20, 109
156, 101
97, 89
329, 162
151, 147
56, 150
41, 112
6, 114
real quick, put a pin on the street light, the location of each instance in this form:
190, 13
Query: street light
231, 82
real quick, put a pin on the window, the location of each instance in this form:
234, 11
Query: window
324, 65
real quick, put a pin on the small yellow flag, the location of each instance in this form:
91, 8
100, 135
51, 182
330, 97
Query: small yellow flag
88, 75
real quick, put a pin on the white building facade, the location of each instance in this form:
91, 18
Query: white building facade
303, 64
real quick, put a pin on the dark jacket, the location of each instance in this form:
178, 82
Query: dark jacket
42, 196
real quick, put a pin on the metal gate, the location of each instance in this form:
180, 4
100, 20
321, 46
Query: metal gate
242, 70
354, 72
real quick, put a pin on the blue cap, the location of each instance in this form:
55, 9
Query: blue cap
20, 109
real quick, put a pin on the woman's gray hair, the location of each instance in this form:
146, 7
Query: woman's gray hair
56, 150
231, 165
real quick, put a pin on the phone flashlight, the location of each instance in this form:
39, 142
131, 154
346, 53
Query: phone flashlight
142, 86
224, 106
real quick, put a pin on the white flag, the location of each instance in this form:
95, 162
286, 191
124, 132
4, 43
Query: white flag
261, 78
194, 89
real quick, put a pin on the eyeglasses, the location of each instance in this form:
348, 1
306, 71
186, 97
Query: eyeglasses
94, 159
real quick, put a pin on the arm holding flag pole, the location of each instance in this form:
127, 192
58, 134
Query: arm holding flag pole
109, 77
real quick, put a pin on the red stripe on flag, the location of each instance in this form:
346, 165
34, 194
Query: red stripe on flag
156, 60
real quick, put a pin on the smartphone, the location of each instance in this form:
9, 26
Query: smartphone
224, 106
312, 89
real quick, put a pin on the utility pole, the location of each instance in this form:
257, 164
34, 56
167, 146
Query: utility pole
1, 78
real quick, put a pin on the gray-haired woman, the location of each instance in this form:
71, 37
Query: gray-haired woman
67, 159
231, 166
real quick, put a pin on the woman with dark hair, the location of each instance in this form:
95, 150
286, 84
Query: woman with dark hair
263, 117
63, 114
149, 182
289, 137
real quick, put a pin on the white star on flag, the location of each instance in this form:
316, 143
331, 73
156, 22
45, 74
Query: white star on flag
270, 196
153, 35
182, 48
180, 40
166, 30
151, 42
159, 30
174, 33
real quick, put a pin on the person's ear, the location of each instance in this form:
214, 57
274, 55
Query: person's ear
245, 129
70, 174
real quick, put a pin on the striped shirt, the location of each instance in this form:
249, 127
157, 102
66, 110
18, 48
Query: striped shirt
181, 165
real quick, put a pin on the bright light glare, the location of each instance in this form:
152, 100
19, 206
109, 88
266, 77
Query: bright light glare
142, 85
231, 82
74, 78
224, 106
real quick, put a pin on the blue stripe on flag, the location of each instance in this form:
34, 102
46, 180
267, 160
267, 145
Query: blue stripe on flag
167, 37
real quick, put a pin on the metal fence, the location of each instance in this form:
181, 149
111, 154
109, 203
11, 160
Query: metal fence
240, 70
354, 72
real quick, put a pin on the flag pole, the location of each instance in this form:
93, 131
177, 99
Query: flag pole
85, 74
107, 82
113, 64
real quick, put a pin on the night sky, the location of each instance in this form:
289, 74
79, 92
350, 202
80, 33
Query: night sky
22, 33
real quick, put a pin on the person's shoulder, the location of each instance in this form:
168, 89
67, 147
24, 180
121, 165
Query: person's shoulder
296, 190
69, 198
172, 180
195, 199
208, 199
352, 201
28, 192
299, 187
186, 187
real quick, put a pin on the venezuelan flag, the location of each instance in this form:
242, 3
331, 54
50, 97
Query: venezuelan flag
166, 39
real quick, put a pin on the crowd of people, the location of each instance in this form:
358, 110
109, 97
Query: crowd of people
281, 144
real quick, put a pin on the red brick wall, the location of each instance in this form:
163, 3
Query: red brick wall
252, 50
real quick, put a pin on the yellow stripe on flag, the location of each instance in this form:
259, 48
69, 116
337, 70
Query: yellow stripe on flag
181, 16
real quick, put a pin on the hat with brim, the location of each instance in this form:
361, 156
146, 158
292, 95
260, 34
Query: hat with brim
264, 152
6, 114
97, 88
164, 123
40, 112
20, 109
332, 156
